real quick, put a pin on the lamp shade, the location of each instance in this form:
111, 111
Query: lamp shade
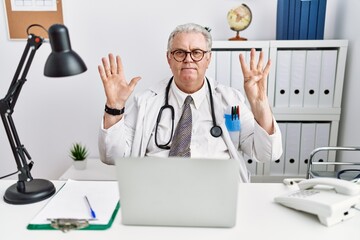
62, 61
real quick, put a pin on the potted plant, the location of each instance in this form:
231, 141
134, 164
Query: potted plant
79, 153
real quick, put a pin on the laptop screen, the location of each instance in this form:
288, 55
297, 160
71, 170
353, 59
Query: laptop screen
178, 191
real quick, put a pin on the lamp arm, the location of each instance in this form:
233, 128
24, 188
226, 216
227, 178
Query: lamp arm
61, 62
7, 105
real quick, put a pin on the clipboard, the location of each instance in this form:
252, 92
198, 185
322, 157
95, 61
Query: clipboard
68, 210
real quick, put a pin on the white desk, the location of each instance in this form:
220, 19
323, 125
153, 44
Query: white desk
258, 218
95, 170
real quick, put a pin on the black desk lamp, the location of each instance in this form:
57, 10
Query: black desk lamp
61, 62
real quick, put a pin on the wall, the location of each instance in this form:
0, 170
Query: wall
347, 14
51, 114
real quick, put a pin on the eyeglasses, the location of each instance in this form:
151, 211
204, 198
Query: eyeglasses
196, 55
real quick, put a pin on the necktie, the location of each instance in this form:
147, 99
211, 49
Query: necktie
180, 145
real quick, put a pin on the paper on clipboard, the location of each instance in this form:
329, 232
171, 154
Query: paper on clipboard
69, 202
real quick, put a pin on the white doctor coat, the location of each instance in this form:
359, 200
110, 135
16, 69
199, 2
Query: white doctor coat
129, 137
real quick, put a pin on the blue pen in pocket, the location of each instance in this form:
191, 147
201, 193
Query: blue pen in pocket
233, 125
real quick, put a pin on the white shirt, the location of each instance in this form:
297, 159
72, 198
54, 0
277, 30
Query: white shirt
203, 144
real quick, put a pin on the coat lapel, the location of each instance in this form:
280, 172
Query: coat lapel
221, 102
149, 106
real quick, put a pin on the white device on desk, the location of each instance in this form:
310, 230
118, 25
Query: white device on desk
332, 200
178, 191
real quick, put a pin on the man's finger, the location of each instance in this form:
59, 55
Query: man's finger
252, 59
261, 60
113, 65
102, 73
106, 65
133, 82
243, 64
267, 68
120, 68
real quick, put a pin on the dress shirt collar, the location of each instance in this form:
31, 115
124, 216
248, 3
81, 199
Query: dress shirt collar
198, 97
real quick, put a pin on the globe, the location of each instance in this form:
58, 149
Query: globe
239, 18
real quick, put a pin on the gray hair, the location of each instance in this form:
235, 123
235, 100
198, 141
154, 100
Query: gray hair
190, 28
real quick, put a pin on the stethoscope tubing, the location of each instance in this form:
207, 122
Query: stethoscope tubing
215, 130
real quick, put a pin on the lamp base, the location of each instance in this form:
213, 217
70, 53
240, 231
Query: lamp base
34, 191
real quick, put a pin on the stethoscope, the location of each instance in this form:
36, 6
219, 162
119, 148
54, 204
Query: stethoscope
215, 131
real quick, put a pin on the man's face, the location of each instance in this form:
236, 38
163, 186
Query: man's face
189, 74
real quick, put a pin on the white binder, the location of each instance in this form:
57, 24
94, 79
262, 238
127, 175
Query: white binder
321, 140
327, 80
237, 78
277, 167
307, 144
298, 62
211, 71
223, 67
292, 150
250, 164
282, 85
312, 78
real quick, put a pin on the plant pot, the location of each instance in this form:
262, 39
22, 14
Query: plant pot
80, 165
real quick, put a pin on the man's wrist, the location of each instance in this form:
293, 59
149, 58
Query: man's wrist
114, 111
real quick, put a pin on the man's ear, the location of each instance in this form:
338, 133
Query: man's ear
209, 58
168, 56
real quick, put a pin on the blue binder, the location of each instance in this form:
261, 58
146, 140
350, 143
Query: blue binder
297, 19
291, 25
304, 19
282, 18
313, 19
300, 19
321, 19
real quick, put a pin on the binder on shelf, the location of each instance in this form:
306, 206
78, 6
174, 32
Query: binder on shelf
292, 150
291, 21
297, 17
237, 78
313, 16
282, 18
304, 20
298, 63
70, 203
282, 84
250, 164
321, 73
321, 140
211, 71
307, 145
327, 80
223, 67
312, 78
300, 19
277, 167
321, 19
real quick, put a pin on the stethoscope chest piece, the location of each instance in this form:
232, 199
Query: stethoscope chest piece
216, 131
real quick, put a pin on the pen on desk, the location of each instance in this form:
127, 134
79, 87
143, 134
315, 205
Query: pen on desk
92, 212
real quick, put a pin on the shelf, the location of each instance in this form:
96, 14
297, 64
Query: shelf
314, 111
307, 114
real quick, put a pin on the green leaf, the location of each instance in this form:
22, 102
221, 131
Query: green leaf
78, 152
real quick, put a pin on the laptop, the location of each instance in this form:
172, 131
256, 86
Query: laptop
184, 192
